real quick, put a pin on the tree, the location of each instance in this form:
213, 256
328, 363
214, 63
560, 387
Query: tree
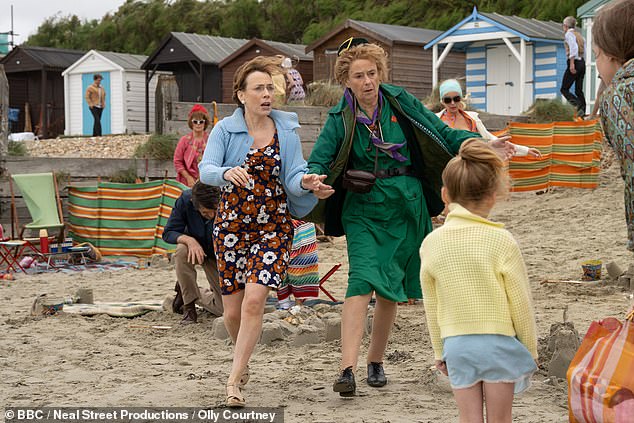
138, 26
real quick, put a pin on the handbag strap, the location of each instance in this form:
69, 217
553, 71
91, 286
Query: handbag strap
352, 132
376, 160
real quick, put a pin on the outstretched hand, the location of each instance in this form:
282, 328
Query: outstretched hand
503, 147
534, 152
315, 183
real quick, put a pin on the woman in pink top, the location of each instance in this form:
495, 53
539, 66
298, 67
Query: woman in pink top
190, 148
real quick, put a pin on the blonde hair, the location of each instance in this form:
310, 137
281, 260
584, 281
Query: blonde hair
613, 30
265, 64
370, 52
475, 173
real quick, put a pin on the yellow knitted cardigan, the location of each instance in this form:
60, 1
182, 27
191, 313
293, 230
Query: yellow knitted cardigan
475, 282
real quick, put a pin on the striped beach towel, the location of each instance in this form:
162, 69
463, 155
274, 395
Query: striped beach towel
571, 155
302, 276
123, 219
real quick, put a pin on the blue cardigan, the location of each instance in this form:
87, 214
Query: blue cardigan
229, 144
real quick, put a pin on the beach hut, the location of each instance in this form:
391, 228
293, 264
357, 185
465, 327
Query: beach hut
586, 13
124, 83
256, 47
410, 65
511, 61
35, 77
193, 59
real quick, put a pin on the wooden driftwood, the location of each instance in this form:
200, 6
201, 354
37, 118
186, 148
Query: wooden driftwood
573, 282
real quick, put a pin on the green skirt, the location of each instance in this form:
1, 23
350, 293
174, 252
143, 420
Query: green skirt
384, 231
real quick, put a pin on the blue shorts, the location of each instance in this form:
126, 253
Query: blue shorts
487, 358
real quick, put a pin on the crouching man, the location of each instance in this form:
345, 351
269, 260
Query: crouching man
189, 227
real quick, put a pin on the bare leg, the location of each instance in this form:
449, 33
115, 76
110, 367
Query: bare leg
355, 311
384, 315
499, 402
250, 328
232, 312
470, 404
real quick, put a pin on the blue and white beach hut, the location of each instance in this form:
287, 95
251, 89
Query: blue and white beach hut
505, 53
124, 83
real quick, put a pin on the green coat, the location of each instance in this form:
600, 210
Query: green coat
435, 145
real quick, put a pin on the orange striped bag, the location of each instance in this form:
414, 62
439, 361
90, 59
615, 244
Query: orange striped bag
601, 375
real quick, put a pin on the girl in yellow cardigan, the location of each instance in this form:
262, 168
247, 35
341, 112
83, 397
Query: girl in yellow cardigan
476, 292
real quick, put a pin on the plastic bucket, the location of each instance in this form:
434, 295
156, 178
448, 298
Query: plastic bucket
591, 270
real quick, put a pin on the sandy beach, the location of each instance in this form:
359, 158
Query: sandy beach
71, 360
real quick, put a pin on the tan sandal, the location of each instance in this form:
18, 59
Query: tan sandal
234, 396
244, 378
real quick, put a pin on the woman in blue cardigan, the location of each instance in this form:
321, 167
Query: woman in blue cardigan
255, 155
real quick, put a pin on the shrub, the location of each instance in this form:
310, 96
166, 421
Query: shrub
159, 147
17, 148
547, 111
323, 93
124, 176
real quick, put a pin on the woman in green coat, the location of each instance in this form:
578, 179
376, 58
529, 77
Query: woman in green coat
383, 130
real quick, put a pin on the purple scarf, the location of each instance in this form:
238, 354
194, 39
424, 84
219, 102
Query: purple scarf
373, 124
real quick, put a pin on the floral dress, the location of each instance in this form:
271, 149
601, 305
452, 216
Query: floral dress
253, 232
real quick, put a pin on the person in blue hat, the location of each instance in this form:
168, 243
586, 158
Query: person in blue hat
454, 115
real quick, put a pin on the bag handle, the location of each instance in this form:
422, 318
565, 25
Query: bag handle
376, 149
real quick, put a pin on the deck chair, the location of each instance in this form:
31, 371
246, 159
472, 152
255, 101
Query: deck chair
302, 277
41, 196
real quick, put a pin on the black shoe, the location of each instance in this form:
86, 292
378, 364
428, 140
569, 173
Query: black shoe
177, 304
189, 314
345, 384
376, 375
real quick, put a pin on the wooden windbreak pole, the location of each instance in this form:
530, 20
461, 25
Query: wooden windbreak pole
58, 200
4, 117
15, 223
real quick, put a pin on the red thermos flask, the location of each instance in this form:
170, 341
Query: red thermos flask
44, 241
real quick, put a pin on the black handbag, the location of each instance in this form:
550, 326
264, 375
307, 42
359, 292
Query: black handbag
360, 181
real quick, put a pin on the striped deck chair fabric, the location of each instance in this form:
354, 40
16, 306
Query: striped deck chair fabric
123, 219
302, 276
571, 155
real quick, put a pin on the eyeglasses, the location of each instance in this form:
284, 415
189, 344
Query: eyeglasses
199, 122
448, 100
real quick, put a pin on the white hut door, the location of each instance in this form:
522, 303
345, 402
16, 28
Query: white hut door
503, 80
